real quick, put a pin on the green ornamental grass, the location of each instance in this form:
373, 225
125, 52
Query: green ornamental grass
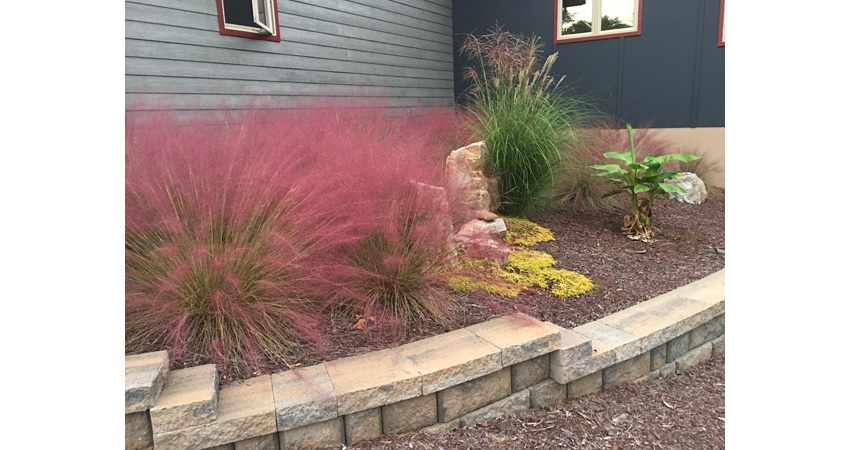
523, 114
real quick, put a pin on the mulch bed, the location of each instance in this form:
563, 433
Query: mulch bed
625, 273
682, 411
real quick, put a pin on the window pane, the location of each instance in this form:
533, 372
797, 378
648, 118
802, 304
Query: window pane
618, 14
577, 16
239, 12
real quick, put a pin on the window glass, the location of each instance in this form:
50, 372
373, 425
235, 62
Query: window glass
577, 16
618, 14
239, 12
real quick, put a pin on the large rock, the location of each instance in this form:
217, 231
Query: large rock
483, 239
695, 192
465, 169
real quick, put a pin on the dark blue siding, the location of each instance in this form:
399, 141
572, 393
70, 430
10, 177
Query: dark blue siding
670, 76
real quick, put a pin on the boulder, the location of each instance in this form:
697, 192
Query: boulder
695, 192
484, 240
465, 172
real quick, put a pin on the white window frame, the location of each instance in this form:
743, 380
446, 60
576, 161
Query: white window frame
596, 31
267, 28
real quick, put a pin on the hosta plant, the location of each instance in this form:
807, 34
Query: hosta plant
646, 178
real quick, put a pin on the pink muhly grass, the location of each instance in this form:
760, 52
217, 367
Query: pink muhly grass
221, 235
236, 234
388, 186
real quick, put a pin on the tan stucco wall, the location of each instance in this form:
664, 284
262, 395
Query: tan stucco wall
710, 141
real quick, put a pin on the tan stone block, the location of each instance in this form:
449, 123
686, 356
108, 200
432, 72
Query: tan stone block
687, 312
529, 373
511, 405
718, 346
144, 377
626, 371
586, 385
409, 415
521, 401
442, 428
651, 329
303, 396
373, 379
267, 442
602, 356
575, 348
467, 397
452, 358
189, 398
708, 331
318, 435
694, 357
624, 345
667, 369
547, 393
678, 347
658, 357
245, 411
137, 431
710, 290
222, 447
363, 425
520, 337
653, 374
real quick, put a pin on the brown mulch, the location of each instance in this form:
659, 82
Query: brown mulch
625, 273
683, 411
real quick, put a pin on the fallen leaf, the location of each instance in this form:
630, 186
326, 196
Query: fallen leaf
361, 324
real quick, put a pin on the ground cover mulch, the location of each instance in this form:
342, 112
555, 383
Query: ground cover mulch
624, 272
683, 411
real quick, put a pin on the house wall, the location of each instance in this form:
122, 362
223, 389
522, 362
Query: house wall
396, 52
671, 77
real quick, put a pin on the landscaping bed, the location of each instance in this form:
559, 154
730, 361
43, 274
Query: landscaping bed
625, 273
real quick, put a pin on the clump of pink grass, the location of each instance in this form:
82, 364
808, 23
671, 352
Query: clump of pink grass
237, 235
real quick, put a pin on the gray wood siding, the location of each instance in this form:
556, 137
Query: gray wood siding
396, 52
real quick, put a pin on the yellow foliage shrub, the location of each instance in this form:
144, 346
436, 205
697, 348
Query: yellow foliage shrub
525, 232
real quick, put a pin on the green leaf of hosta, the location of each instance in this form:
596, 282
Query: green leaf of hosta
610, 169
684, 158
642, 188
626, 157
667, 187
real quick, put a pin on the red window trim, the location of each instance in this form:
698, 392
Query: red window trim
720, 41
597, 37
265, 37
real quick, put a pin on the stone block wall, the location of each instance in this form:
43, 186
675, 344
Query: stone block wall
438, 384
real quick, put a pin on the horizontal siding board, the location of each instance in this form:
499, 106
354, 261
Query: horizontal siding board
370, 16
396, 53
199, 6
160, 33
443, 10
297, 22
414, 9
165, 85
301, 17
193, 69
180, 52
335, 43
147, 102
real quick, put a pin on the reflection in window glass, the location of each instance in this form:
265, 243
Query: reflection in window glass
577, 19
618, 14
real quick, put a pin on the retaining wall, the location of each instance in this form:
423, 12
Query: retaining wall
438, 384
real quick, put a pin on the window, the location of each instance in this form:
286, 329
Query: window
721, 34
255, 19
585, 20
